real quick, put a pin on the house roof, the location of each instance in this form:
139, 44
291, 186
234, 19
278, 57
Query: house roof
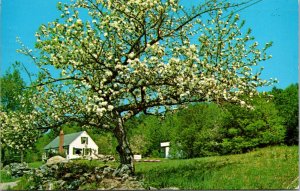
68, 139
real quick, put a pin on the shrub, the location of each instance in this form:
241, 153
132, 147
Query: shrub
248, 129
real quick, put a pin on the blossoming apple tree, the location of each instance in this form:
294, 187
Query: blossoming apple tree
17, 132
17, 135
117, 58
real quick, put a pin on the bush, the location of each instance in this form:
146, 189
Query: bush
287, 102
197, 130
248, 129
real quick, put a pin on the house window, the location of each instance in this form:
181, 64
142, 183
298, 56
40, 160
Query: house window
87, 151
84, 140
77, 151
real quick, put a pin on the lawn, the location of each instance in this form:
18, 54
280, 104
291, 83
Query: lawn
36, 164
267, 168
6, 177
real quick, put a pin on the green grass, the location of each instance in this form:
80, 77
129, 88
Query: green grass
267, 168
6, 177
36, 164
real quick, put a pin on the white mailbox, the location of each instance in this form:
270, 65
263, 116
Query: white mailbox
137, 157
166, 146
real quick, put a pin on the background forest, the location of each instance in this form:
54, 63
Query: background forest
199, 130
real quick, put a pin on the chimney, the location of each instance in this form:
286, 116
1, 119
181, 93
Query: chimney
61, 142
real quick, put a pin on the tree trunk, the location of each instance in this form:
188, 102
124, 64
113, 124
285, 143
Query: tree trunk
2, 156
125, 153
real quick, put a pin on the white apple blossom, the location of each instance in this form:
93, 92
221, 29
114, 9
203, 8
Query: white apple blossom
110, 108
16, 132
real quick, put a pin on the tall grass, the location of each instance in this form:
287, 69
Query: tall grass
6, 177
268, 168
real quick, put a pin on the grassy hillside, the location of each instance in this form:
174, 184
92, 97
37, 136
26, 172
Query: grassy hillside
267, 168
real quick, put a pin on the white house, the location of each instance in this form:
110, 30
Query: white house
75, 145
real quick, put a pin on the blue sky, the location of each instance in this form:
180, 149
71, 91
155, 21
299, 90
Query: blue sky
270, 20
